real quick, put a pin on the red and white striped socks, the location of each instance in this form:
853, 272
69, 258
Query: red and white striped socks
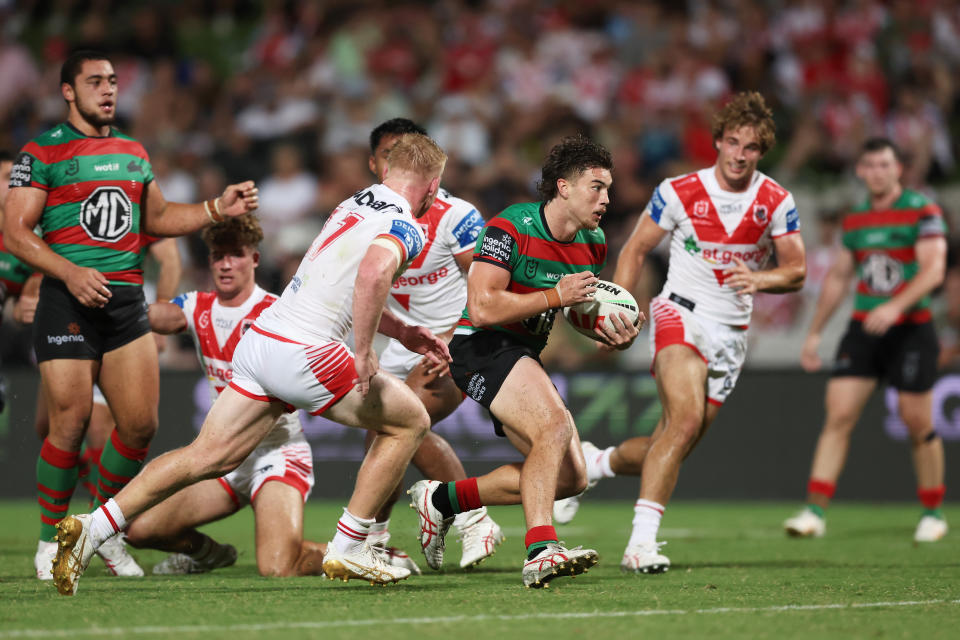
646, 522
107, 520
351, 532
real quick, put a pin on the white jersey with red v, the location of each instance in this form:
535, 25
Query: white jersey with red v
710, 227
317, 305
433, 291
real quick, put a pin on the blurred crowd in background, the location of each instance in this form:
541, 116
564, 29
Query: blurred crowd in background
286, 93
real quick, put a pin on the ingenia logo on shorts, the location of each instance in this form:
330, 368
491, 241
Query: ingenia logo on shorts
73, 335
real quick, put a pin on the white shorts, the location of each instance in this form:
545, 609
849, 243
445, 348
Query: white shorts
289, 462
270, 368
723, 347
398, 360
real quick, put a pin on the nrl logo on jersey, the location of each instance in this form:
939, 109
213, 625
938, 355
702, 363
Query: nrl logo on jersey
107, 214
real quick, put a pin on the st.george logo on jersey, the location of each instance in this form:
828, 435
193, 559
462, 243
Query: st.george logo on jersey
106, 215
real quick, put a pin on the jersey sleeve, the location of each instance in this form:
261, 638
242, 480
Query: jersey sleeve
497, 244
664, 207
930, 222
785, 218
187, 302
464, 230
29, 171
406, 236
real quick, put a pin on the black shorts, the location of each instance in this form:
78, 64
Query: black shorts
64, 328
905, 356
481, 363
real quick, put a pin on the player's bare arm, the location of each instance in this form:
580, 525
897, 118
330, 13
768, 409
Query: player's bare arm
374, 277
25, 308
167, 255
489, 302
786, 277
166, 318
24, 207
932, 262
646, 235
834, 290
162, 218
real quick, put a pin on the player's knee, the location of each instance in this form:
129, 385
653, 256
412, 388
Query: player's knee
686, 426
138, 434
572, 481
275, 570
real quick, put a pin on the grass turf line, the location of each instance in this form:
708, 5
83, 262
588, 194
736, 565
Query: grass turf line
728, 558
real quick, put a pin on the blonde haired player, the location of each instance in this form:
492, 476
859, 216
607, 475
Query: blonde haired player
294, 356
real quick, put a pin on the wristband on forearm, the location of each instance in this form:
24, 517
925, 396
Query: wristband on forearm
212, 207
554, 300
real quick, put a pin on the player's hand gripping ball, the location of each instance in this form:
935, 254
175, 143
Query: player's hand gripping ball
608, 300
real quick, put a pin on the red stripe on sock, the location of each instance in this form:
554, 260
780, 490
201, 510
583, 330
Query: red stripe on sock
127, 452
50, 521
931, 497
112, 477
544, 533
58, 457
468, 494
822, 487
55, 508
113, 523
53, 493
350, 533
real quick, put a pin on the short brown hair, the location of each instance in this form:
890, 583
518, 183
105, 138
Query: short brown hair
241, 231
568, 159
417, 153
747, 109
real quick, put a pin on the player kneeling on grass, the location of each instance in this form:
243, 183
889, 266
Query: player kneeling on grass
294, 355
530, 260
277, 477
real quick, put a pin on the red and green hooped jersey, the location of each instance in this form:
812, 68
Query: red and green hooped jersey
883, 246
519, 241
95, 188
13, 271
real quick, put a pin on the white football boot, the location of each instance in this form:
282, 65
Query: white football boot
363, 565
433, 526
115, 555
645, 558
565, 509
806, 524
74, 551
223, 555
43, 560
479, 535
393, 556
929, 529
556, 561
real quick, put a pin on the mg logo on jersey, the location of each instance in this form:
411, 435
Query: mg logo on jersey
106, 215
881, 273
701, 208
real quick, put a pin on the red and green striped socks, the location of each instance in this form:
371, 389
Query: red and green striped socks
56, 480
118, 464
932, 498
538, 538
452, 498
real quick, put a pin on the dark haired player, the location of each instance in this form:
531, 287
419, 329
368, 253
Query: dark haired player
894, 245
91, 190
724, 221
530, 261
432, 293
277, 477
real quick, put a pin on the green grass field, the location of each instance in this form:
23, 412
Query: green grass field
734, 575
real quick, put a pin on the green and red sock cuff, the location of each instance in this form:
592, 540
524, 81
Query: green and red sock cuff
467, 494
931, 497
539, 537
58, 457
129, 453
822, 487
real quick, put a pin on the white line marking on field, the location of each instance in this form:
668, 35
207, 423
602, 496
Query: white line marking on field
275, 626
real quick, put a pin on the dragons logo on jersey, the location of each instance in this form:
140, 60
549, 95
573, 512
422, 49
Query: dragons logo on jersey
106, 215
881, 273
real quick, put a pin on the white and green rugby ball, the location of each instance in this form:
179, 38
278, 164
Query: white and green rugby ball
608, 300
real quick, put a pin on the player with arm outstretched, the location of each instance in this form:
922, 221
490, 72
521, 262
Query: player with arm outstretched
530, 261
725, 222
895, 249
432, 293
277, 477
294, 356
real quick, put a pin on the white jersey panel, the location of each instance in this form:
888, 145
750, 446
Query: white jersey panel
432, 292
710, 227
317, 305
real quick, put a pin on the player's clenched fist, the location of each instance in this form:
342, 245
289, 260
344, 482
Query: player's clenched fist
576, 287
89, 286
238, 199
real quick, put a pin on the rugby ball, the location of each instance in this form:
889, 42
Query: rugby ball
609, 299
